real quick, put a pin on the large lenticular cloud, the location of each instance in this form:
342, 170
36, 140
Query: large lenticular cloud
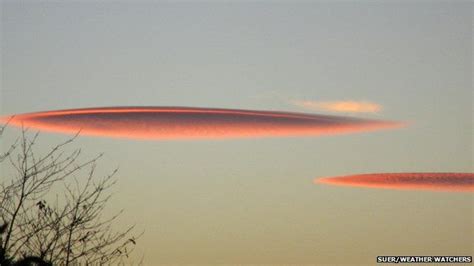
191, 123
412, 181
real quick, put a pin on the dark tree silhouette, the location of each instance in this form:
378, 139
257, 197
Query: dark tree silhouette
69, 230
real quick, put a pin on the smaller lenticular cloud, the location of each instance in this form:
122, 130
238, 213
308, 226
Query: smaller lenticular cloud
409, 181
340, 106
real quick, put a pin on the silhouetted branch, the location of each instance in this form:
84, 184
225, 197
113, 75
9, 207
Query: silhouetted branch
69, 230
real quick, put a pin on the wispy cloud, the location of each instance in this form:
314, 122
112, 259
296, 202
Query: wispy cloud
192, 123
410, 181
339, 106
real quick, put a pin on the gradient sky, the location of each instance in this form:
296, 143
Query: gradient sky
253, 200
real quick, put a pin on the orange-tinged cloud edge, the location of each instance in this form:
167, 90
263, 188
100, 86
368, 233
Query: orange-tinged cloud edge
455, 182
191, 123
340, 106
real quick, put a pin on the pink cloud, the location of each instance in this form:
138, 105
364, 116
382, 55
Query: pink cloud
340, 106
409, 181
192, 123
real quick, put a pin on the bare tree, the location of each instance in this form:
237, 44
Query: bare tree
67, 230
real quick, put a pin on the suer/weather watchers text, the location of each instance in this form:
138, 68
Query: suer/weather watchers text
424, 259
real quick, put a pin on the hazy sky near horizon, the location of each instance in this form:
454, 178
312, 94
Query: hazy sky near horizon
254, 200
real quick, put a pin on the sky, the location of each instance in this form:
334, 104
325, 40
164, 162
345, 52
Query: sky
254, 200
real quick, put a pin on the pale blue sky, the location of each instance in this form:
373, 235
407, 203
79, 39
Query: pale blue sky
254, 200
